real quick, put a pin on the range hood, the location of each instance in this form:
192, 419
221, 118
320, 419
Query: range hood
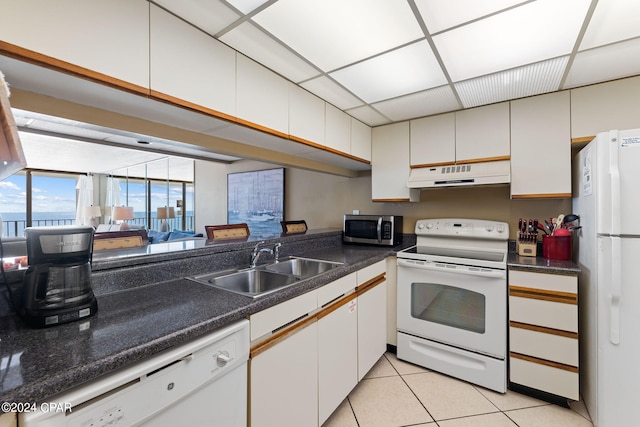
461, 175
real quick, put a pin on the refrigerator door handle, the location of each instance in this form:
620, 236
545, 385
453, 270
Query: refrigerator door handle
614, 190
616, 289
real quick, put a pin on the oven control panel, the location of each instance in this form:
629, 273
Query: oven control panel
469, 228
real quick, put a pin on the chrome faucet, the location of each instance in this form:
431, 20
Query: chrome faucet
255, 254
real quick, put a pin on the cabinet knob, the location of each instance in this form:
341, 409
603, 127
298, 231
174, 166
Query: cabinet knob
222, 358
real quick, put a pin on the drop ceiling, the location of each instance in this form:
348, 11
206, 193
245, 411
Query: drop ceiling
384, 61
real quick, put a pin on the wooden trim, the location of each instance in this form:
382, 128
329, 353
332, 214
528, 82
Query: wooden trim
49, 62
172, 100
542, 196
543, 294
336, 305
432, 165
483, 160
391, 200
370, 284
544, 362
264, 129
281, 336
582, 140
544, 330
325, 148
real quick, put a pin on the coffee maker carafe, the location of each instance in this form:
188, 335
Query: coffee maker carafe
57, 284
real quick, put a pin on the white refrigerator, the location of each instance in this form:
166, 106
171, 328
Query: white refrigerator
606, 196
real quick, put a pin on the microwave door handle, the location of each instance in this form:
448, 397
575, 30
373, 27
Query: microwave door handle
379, 229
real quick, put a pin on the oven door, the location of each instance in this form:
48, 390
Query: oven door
457, 305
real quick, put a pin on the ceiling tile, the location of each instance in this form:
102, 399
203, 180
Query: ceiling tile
246, 6
439, 15
530, 80
426, 103
531, 33
606, 63
257, 45
612, 21
368, 116
410, 69
209, 16
332, 92
335, 33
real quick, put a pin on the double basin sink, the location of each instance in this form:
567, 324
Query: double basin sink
265, 279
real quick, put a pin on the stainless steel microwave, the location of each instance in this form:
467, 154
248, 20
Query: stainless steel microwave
382, 230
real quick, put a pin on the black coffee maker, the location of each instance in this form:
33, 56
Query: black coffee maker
57, 284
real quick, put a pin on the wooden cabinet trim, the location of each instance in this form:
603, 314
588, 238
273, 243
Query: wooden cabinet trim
542, 196
172, 100
370, 284
461, 162
281, 336
544, 362
543, 329
336, 305
584, 140
543, 294
327, 149
51, 63
391, 200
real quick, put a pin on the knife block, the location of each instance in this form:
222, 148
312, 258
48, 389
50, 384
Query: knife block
526, 248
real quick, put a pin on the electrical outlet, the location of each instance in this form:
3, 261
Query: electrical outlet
356, 212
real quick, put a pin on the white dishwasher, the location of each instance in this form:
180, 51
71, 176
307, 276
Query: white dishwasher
201, 383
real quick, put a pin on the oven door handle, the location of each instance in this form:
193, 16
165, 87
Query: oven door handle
418, 265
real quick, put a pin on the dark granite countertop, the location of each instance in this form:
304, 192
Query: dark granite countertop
137, 321
541, 265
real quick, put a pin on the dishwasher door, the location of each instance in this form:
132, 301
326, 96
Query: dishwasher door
200, 383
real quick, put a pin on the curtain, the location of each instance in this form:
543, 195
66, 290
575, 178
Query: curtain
112, 198
85, 199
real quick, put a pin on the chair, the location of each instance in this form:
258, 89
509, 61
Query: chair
294, 227
227, 232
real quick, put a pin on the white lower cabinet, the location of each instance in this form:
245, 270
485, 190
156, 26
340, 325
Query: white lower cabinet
284, 382
337, 355
372, 327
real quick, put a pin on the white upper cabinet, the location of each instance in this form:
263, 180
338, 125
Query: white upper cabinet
108, 37
482, 133
433, 140
190, 65
262, 96
390, 164
541, 146
603, 107
337, 129
360, 140
306, 115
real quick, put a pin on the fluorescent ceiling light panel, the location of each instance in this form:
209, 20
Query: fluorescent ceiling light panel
335, 33
209, 16
410, 69
612, 21
531, 33
332, 92
257, 45
534, 79
606, 63
246, 6
426, 103
368, 116
438, 15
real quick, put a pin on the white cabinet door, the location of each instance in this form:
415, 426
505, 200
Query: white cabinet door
541, 146
483, 133
203, 74
284, 382
337, 357
604, 107
360, 140
262, 97
337, 129
390, 164
372, 327
433, 140
108, 37
306, 115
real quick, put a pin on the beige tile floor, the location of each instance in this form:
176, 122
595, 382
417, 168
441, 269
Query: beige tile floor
396, 394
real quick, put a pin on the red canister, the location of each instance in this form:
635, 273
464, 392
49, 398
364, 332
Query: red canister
556, 247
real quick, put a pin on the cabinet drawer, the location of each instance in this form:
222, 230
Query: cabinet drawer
371, 271
549, 314
336, 289
546, 378
277, 316
549, 346
543, 281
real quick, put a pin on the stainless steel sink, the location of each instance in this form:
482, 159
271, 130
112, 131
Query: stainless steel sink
303, 268
262, 280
